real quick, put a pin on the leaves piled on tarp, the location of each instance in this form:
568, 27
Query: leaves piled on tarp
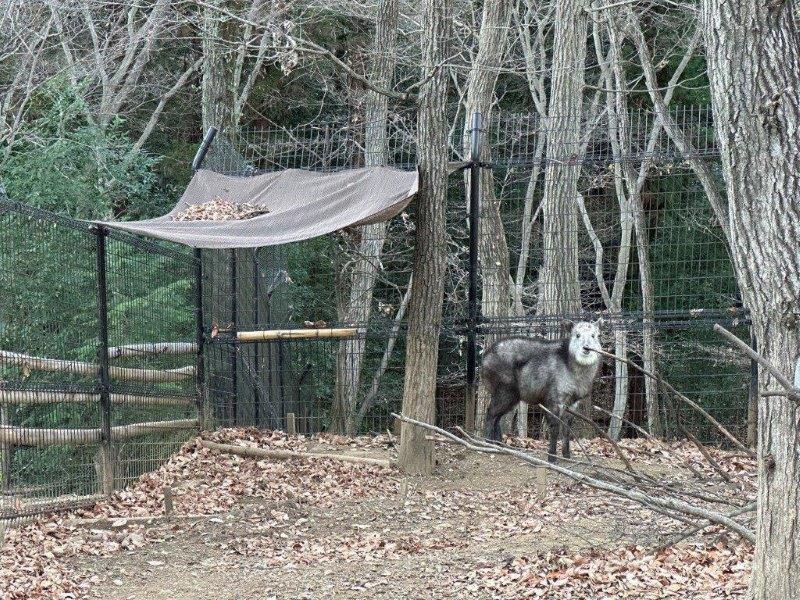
220, 209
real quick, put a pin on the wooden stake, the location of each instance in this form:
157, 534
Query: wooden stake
541, 482
291, 424
106, 463
168, 508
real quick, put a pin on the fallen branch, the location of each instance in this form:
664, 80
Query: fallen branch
617, 450
690, 532
248, 452
668, 504
652, 438
682, 398
706, 454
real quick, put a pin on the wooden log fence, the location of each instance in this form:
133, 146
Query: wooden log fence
37, 436
90, 369
73, 397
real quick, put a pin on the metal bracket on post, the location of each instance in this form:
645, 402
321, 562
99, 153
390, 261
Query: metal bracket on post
106, 459
200, 156
472, 299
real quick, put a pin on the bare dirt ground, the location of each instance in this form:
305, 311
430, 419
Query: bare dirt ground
481, 527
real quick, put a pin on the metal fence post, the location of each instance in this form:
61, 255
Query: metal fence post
200, 340
234, 344
106, 460
472, 299
197, 162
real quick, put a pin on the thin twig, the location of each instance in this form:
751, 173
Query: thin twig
714, 464
617, 450
689, 533
663, 446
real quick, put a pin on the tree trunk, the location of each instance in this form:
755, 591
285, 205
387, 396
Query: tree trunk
216, 101
492, 247
559, 286
358, 309
430, 261
753, 53
654, 424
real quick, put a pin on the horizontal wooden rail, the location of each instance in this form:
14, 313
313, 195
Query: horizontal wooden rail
37, 363
19, 512
34, 436
152, 349
295, 334
71, 397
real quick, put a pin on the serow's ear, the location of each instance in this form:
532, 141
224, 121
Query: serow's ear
567, 325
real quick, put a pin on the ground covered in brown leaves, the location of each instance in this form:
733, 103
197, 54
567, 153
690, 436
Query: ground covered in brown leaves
482, 527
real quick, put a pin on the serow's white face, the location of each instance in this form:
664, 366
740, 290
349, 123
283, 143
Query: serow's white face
585, 338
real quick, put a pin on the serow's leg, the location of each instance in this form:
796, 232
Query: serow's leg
503, 400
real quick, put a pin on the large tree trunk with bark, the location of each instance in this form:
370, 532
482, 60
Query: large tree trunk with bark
559, 286
753, 53
216, 99
430, 261
492, 246
371, 238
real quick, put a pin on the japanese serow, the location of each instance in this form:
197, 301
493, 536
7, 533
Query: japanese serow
555, 373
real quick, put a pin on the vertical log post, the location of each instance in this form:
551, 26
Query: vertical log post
106, 460
472, 299
200, 339
291, 424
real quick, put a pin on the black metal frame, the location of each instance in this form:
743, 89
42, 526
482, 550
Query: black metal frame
472, 300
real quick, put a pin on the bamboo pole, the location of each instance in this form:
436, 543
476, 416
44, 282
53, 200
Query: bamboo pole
71, 397
295, 334
33, 436
152, 349
288, 454
90, 369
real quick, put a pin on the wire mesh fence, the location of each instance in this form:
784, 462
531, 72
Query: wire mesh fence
94, 391
102, 402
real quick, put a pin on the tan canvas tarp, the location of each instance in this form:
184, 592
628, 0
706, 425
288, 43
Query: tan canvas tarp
301, 204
